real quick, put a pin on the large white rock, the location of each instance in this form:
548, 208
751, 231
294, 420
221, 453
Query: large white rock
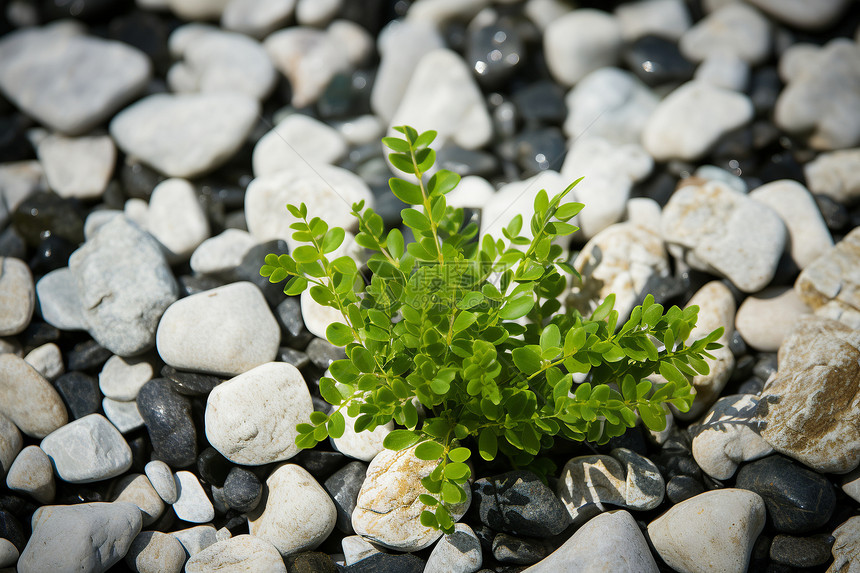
256, 18
735, 28
609, 542
252, 418
727, 436
176, 218
716, 229
296, 514
666, 18
580, 42
361, 445
713, 531
227, 330
87, 450
212, 60
28, 400
17, 295
185, 135
691, 119
298, 142
241, 553
77, 167
387, 511
221, 253
766, 318
84, 537
33, 474
443, 95
66, 80
835, 174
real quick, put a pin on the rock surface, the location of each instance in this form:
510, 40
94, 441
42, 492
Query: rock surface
17, 295
240, 553
831, 284
28, 400
87, 450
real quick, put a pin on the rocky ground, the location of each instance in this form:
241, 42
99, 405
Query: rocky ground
150, 380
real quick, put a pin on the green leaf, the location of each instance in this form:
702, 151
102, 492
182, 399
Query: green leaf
526, 359
463, 321
653, 417
541, 202
305, 254
415, 220
332, 239
296, 286
443, 182
568, 210
409, 193
429, 450
550, 337
339, 334
428, 500
363, 359
424, 139
395, 243
459, 454
517, 308
487, 444
672, 374
396, 144
603, 310
329, 391
456, 471
336, 425
428, 519
400, 439
402, 161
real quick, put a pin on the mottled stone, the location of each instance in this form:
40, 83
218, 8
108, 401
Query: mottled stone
32, 473
28, 400
155, 552
243, 553
137, 489
831, 284
161, 478
519, 503
458, 552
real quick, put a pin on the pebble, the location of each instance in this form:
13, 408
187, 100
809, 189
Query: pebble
727, 436
28, 400
155, 552
77, 167
458, 552
168, 419
835, 174
256, 18
196, 539
715, 229
190, 383
33, 474
611, 541
296, 513
809, 238
124, 415
819, 98
8, 554
443, 95
212, 467
160, 129
691, 120
799, 14
82, 537
10, 444
176, 219
72, 82
192, 333
343, 487
401, 46
317, 12
580, 42
192, 505
610, 170
241, 553
124, 285
494, 50
221, 253
735, 28
17, 296
519, 503
724, 70
356, 548
193, 9
42, 213
362, 445
47, 360
161, 478
815, 360
683, 487
520, 551
714, 531
387, 512
328, 191
87, 450
59, 305
766, 318
321, 353
137, 489
664, 18
122, 378
625, 259
294, 143
800, 551
657, 61
797, 499
80, 393
846, 548
251, 418
612, 104
830, 284
242, 490
210, 60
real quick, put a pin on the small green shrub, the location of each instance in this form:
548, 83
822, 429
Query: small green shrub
438, 328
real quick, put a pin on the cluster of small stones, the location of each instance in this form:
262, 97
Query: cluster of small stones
151, 381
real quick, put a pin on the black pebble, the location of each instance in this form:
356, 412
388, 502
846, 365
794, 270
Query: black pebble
10, 528
190, 383
87, 356
310, 562
387, 563
519, 503
213, 467
519, 550
343, 487
319, 463
801, 551
657, 60
44, 214
167, 415
80, 392
683, 487
249, 270
322, 353
242, 490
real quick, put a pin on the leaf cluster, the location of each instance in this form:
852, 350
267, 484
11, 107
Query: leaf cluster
463, 342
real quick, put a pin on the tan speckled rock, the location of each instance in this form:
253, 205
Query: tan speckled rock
155, 552
243, 553
832, 282
811, 409
296, 514
387, 511
17, 295
28, 399
846, 549
137, 489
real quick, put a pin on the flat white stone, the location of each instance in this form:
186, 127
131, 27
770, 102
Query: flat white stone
356, 548
296, 514
458, 552
196, 539
361, 445
59, 305
580, 42
28, 400
766, 318
193, 504
227, 330
122, 378
185, 135
256, 18
47, 360
123, 414
155, 552
77, 167
835, 174
736, 28
298, 142
17, 295
176, 218
251, 419
87, 450
317, 317
161, 477
724, 70
33, 474
243, 553
221, 253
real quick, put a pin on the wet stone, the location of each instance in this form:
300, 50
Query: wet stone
288, 313
167, 415
518, 502
213, 467
540, 149
657, 60
347, 95
319, 463
291, 356
494, 52
387, 563
190, 383
44, 214
51, 254
466, 162
242, 490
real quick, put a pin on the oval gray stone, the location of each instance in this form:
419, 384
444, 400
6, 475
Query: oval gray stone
87, 450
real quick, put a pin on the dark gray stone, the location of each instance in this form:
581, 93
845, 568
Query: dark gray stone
683, 487
242, 490
797, 499
46, 214
167, 415
322, 353
289, 316
494, 52
519, 503
190, 383
466, 162
387, 563
212, 467
657, 60
319, 463
520, 551
249, 270
87, 356
541, 102
343, 487
80, 393
801, 551
540, 149
295, 357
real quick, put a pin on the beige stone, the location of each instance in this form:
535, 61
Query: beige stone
137, 489
17, 295
33, 473
243, 553
811, 409
766, 318
846, 549
833, 281
155, 552
28, 399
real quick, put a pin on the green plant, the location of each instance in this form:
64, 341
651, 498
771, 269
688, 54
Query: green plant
438, 327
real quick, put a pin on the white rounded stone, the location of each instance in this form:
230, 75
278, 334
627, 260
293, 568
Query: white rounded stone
298, 142
736, 28
766, 318
666, 18
240, 554
87, 450
122, 378
10, 444
17, 295
8, 555
123, 414
724, 70
361, 445
801, 14
196, 539
256, 18
221, 253
227, 330
197, 9
580, 42
317, 12
458, 552
33, 474
155, 552
176, 218
835, 174
251, 419
192, 505
161, 477
47, 360
77, 167
59, 305
136, 489
317, 317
